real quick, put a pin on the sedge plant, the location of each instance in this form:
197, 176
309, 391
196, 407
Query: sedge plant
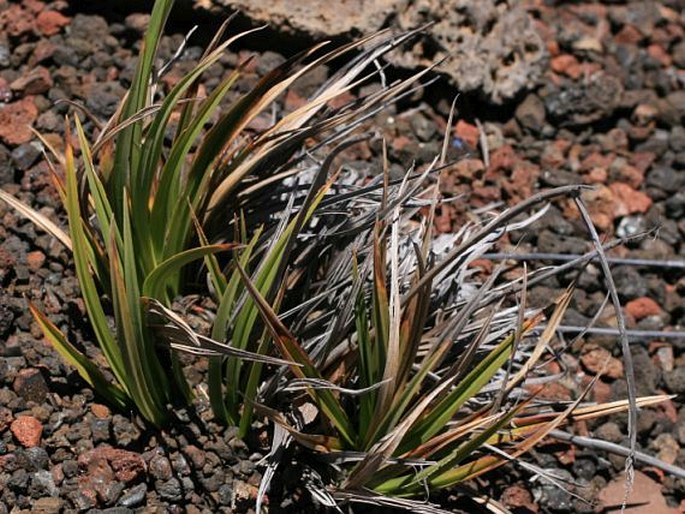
411, 373
141, 210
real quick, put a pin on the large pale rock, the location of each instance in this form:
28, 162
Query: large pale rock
491, 46
312, 17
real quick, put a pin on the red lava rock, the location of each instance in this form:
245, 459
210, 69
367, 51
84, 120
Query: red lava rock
35, 260
518, 497
16, 21
469, 133
551, 391
400, 142
196, 455
27, 430
100, 411
30, 385
469, 169
642, 307
628, 35
661, 55
15, 121
645, 496
667, 409
596, 160
552, 157
293, 100
341, 100
553, 47
484, 195
43, 51
127, 466
628, 200
596, 176
50, 23
35, 82
443, 220
631, 175
566, 64
601, 392
502, 159
35, 6
642, 160
600, 203
522, 181
485, 265
595, 358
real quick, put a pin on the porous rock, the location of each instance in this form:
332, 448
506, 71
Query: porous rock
493, 47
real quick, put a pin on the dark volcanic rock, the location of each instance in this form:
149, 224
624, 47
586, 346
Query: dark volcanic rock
579, 103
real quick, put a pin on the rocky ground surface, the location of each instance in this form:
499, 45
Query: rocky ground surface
553, 94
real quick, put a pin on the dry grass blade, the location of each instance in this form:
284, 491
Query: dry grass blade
547, 335
601, 445
37, 218
379, 500
488, 230
174, 330
280, 441
625, 346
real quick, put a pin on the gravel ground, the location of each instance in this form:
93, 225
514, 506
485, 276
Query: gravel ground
607, 110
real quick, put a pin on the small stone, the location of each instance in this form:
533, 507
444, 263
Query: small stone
554, 495
30, 385
642, 307
531, 113
667, 447
225, 493
100, 429
196, 455
35, 82
100, 411
34, 458
566, 64
127, 466
16, 119
27, 430
170, 490
137, 22
645, 493
675, 380
609, 431
35, 260
631, 225
518, 497
467, 133
664, 357
629, 201
49, 505
666, 178
598, 360
23, 156
42, 484
160, 467
134, 496
84, 499
50, 23
5, 418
